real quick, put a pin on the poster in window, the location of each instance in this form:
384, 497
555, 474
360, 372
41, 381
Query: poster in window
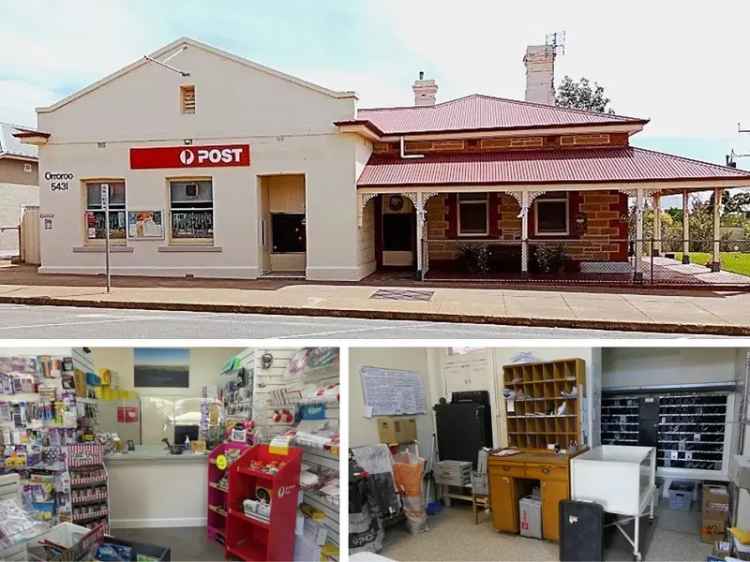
145, 225
91, 225
161, 367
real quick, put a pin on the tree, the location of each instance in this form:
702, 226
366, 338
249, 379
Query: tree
735, 203
582, 95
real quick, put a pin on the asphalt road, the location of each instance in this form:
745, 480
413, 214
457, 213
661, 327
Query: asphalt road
23, 321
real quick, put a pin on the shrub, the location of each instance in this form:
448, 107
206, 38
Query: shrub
549, 259
475, 258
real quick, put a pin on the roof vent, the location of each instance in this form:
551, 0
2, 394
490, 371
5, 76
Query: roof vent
187, 99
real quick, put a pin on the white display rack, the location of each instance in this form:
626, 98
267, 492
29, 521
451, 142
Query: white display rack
633, 468
324, 459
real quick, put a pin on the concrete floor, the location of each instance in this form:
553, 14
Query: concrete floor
23, 321
188, 544
454, 536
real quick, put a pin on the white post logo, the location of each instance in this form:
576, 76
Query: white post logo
211, 155
187, 157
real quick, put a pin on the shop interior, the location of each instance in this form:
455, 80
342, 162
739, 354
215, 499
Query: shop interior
198, 453
548, 453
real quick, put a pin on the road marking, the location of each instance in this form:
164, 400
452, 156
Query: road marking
62, 324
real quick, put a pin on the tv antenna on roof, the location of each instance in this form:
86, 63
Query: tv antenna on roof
556, 40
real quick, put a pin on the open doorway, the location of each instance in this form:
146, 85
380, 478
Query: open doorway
283, 242
397, 236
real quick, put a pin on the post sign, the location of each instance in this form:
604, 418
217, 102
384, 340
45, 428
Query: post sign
215, 156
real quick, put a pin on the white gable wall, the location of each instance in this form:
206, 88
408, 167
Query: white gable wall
288, 126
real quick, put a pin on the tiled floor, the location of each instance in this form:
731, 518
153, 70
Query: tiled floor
453, 536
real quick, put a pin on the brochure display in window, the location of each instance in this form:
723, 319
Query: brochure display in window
192, 209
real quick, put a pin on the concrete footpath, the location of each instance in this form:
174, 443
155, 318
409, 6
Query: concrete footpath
698, 311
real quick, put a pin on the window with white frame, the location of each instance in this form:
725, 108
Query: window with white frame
473, 214
191, 209
95, 214
552, 217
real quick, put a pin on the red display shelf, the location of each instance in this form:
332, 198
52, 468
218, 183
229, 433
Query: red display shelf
251, 539
218, 497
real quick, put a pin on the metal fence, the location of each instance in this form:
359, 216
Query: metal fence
591, 260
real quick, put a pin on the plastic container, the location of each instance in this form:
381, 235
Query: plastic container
681, 495
530, 515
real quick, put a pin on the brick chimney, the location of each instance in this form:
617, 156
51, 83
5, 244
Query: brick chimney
425, 91
540, 74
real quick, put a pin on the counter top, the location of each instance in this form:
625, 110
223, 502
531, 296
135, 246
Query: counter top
539, 457
157, 453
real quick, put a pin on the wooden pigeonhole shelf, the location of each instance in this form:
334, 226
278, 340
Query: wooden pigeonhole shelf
534, 419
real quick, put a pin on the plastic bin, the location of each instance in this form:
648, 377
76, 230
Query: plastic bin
71, 542
681, 495
160, 553
530, 516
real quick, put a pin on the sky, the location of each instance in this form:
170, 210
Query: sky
681, 64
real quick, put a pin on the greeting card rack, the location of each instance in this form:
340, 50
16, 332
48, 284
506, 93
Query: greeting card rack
261, 476
89, 492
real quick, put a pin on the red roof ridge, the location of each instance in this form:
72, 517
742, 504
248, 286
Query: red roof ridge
739, 171
612, 116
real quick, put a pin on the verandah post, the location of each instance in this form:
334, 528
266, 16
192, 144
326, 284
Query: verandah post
638, 253
524, 233
657, 246
716, 264
420, 215
685, 227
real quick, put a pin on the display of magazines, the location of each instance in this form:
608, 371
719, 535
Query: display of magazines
39, 418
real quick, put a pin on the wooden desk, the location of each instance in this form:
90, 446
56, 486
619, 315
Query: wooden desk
511, 478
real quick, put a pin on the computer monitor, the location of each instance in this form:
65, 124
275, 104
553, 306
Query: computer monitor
181, 431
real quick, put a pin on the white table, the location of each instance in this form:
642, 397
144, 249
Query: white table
622, 480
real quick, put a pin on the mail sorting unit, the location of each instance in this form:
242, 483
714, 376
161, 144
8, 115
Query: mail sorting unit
633, 469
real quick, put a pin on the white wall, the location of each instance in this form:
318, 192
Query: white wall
362, 430
649, 366
205, 365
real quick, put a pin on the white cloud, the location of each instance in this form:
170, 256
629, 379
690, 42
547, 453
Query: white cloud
681, 64
18, 100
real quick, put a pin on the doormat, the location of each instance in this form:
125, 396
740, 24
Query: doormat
402, 295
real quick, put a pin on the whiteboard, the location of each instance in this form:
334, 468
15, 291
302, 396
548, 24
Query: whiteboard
389, 392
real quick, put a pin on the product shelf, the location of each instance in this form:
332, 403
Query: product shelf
250, 538
217, 495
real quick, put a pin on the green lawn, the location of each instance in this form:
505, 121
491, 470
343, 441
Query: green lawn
736, 262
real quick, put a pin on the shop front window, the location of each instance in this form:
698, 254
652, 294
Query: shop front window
552, 216
95, 214
288, 233
192, 209
473, 211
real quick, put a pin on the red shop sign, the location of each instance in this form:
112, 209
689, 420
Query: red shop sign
215, 156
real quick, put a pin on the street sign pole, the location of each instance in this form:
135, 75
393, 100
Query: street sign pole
105, 204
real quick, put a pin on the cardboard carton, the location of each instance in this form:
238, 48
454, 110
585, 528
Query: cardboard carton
397, 429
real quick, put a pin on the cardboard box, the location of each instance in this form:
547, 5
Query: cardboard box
713, 530
715, 499
397, 429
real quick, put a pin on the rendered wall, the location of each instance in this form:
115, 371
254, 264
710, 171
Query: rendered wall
289, 128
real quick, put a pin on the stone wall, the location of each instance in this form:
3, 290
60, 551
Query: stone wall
604, 215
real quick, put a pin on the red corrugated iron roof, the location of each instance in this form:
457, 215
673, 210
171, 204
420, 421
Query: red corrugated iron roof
480, 112
625, 164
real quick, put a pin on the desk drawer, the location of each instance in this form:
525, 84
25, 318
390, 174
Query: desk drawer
514, 470
547, 472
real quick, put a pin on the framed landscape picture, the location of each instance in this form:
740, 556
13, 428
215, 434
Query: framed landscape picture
161, 367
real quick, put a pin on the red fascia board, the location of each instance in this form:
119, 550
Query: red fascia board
363, 122
23, 134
